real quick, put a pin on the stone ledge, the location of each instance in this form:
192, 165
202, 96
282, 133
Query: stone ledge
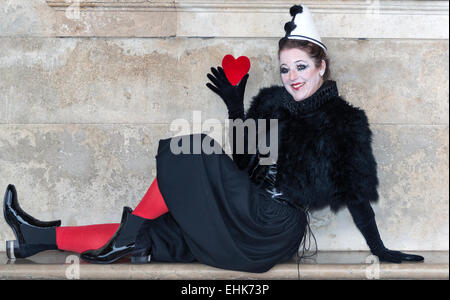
355, 6
259, 18
325, 265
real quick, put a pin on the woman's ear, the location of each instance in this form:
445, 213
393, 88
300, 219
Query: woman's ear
323, 67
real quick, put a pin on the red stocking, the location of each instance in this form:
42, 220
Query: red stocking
81, 238
152, 205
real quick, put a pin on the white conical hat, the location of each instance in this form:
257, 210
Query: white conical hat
302, 26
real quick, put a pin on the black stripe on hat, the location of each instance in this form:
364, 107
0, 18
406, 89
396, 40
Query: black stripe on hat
309, 39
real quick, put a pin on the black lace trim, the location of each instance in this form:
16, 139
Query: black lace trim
324, 94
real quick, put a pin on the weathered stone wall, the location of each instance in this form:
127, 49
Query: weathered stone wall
83, 102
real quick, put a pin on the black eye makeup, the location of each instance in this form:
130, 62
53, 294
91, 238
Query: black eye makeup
283, 70
300, 67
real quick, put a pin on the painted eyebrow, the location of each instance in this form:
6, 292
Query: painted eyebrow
294, 62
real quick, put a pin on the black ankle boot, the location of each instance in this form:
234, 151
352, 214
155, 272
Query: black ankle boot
32, 235
121, 244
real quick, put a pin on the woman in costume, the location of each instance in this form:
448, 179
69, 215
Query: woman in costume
241, 214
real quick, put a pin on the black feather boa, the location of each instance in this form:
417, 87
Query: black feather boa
325, 153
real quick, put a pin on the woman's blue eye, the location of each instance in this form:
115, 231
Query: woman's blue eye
301, 67
283, 70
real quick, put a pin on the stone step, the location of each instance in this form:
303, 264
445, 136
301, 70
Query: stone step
324, 265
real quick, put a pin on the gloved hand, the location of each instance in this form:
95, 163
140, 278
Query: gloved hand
233, 96
396, 256
364, 218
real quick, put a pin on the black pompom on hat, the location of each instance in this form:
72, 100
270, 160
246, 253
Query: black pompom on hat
302, 26
296, 9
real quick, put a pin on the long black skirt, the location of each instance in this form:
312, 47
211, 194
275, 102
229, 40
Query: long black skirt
217, 216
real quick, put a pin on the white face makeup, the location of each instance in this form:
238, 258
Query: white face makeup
299, 74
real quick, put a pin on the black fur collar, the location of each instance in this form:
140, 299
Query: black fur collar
324, 94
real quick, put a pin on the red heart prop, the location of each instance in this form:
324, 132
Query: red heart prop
235, 69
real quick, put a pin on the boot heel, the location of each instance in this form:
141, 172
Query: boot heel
141, 257
11, 247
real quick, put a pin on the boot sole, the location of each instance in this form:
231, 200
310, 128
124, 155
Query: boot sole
137, 257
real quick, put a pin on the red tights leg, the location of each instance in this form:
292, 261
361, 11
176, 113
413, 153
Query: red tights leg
81, 238
152, 205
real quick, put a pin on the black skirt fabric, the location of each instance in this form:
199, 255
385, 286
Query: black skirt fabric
217, 216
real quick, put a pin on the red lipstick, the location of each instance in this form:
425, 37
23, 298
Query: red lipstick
297, 86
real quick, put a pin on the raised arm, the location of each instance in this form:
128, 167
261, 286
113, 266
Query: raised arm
233, 97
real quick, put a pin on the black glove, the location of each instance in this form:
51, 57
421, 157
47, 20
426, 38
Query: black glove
233, 96
364, 218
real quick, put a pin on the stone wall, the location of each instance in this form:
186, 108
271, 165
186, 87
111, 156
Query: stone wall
87, 90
